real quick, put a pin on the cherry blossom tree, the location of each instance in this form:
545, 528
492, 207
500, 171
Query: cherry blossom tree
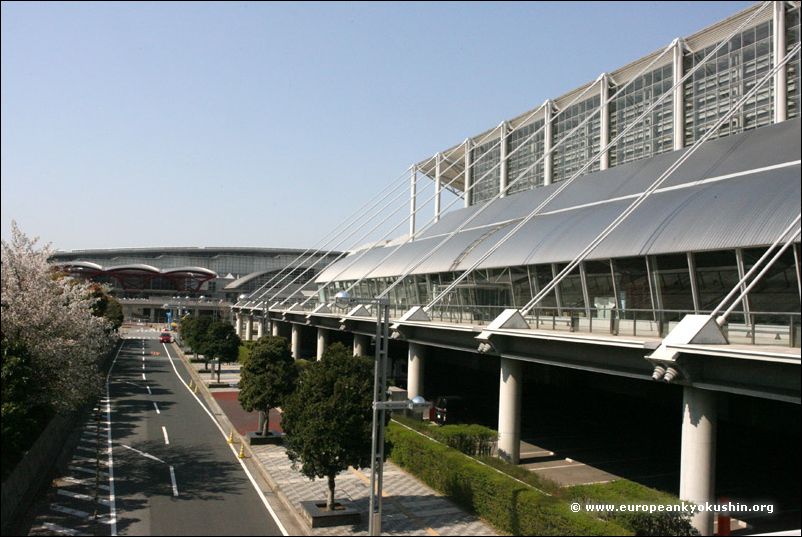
51, 316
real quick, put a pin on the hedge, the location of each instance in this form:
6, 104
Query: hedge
505, 503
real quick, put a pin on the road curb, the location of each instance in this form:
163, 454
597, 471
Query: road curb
300, 523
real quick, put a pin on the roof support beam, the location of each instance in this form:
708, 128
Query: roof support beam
604, 127
547, 138
413, 198
679, 94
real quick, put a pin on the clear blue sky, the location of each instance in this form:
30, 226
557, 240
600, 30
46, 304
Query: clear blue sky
266, 124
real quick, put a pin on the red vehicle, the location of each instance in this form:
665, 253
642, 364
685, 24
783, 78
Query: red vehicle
165, 337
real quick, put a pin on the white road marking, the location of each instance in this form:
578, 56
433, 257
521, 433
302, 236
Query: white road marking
231, 446
112, 503
143, 377
166, 439
79, 496
149, 392
88, 481
143, 358
148, 455
67, 511
49, 526
156, 407
143, 364
172, 478
88, 471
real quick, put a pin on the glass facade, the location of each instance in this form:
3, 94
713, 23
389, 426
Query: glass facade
485, 174
708, 95
636, 295
654, 134
578, 148
715, 87
524, 149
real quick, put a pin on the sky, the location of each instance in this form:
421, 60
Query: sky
268, 124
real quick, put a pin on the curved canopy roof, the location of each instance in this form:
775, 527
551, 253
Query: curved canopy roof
133, 267
736, 191
190, 270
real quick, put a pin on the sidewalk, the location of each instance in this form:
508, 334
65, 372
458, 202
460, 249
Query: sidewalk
409, 508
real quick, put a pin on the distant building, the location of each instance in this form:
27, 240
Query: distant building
154, 281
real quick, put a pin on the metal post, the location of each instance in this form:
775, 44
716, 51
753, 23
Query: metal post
438, 186
467, 173
679, 95
780, 81
413, 198
694, 286
547, 137
377, 437
502, 175
604, 123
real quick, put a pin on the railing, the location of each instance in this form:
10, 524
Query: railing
755, 328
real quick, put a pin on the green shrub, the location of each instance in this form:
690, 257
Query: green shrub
473, 440
505, 503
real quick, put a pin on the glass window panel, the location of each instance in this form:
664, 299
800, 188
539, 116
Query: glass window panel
777, 290
600, 287
672, 282
577, 149
571, 295
632, 282
737, 68
716, 275
485, 171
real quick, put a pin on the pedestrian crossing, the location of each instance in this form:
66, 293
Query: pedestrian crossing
78, 500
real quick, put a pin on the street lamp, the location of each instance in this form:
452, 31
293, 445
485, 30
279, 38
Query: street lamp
380, 406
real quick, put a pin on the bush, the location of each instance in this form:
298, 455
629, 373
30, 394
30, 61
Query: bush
507, 504
473, 440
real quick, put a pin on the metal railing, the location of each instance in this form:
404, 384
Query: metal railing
753, 328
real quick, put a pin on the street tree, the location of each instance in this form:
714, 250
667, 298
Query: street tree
328, 419
222, 343
267, 377
194, 331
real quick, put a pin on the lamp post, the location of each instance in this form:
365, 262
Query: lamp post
380, 406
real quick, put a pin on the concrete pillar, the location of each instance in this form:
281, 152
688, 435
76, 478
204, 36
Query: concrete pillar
509, 410
547, 142
417, 355
502, 174
604, 123
698, 458
260, 328
296, 341
361, 345
248, 327
274, 328
679, 95
780, 77
322, 342
438, 186
153, 315
413, 199
237, 324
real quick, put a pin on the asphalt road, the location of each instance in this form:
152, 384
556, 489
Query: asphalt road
174, 472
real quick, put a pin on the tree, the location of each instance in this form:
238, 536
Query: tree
194, 331
267, 377
328, 419
51, 316
221, 342
106, 306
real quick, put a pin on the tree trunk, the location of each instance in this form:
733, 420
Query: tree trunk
330, 501
265, 422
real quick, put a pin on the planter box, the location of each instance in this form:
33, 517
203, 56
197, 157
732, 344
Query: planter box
316, 515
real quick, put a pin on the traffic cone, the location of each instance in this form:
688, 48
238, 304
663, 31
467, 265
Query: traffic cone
242, 454
196, 388
231, 437
191, 383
